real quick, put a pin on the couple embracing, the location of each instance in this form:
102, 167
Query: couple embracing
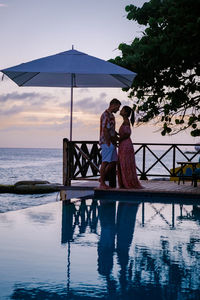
125, 160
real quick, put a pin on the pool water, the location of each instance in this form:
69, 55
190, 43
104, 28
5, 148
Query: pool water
101, 249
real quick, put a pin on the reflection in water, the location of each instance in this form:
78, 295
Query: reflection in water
126, 217
143, 251
148, 270
123, 227
94, 216
106, 245
26, 292
68, 226
196, 213
68, 211
82, 216
41, 218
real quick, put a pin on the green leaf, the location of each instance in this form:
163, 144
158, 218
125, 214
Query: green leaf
165, 57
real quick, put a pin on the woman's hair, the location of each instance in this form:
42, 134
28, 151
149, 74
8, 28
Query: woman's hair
130, 113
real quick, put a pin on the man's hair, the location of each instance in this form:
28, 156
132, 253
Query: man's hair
115, 101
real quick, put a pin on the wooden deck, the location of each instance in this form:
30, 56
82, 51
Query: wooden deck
155, 190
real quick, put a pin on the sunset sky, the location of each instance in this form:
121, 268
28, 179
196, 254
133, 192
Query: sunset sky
39, 117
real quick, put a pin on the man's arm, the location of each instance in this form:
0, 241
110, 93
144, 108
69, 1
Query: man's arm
107, 135
105, 130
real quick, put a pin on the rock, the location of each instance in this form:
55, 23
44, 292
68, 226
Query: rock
31, 187
32, 182
6, 188
36, 188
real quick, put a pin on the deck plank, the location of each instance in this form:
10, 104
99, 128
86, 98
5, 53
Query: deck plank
156, 188
161, 186
152, 188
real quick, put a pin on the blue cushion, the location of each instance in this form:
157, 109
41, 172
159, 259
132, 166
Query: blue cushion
188, 172
197, 171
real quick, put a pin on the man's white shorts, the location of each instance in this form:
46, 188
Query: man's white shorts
109, 153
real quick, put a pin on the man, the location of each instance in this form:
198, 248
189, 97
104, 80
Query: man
108, 140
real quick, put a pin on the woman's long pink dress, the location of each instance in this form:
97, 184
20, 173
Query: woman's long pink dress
127, 177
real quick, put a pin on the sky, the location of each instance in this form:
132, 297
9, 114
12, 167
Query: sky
31, 29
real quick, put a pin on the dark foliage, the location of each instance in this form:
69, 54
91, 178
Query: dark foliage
166, 59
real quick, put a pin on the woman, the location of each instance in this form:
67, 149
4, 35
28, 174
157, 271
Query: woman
127, 177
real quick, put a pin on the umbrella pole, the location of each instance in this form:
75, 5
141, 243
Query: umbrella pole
71, 113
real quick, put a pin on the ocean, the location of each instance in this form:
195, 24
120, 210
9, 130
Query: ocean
18, 164
30, 164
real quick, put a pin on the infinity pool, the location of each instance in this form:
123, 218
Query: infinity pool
101, 249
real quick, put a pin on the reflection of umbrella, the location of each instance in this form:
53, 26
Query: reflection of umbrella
70, 69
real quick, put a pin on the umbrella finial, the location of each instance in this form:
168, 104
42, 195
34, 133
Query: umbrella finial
72, 47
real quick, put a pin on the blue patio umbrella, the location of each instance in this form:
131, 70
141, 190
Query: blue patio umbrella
72, 69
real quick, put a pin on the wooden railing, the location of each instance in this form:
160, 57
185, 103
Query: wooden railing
82, 159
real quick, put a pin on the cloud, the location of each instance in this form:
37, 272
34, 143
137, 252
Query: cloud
13, 103
11, 111
56, 125
85, 90
91, 105
60, 120
103, 95
31, 119
15, 128
3, 5
64, 104
85, 103
24, 96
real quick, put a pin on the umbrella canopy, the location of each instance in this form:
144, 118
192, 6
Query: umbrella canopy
70, 69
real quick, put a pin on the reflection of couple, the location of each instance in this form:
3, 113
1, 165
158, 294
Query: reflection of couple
127, 177
121, 227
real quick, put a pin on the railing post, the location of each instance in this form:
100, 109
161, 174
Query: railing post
64, 160
143, 175
66, 163
174, 160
